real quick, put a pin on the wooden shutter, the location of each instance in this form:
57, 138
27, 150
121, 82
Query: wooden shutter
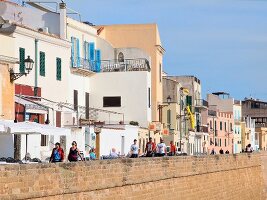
21, 60
78, 53
72, 52
58, 119
98, 60
75, 100
87, 105
59, 69
42, 63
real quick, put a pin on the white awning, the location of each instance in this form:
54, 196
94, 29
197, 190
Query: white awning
9, 127
31, 107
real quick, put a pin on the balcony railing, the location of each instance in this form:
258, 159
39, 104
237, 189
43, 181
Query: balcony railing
212, 113
203, 129
125, 65
139, 64
201, 103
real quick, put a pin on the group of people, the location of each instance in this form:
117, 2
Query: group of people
152, 149
213, 152
57, 154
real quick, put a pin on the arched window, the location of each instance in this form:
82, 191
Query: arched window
121, 57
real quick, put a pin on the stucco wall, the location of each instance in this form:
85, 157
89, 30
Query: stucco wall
132, 86
211, 177
25, 16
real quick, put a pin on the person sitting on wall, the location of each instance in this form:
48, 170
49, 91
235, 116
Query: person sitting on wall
227, 152
92, 154
57, 154
150, 148
213, 152
221, 151
249, 148
134, 149
113, 153
161, 148
172, 149
74, 153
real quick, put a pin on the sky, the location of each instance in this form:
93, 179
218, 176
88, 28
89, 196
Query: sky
222, 42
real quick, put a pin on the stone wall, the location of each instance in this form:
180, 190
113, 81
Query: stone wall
211, 177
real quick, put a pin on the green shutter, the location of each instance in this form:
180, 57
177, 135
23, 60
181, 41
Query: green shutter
59, 69
42, 63
21, 60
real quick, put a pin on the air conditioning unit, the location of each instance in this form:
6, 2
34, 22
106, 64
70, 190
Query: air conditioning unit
69, 119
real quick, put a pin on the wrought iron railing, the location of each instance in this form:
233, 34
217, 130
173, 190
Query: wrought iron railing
201, 103
139, 64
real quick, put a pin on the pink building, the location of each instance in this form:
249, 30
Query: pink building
220, 127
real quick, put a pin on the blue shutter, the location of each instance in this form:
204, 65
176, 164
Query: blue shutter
84, 50
98, 60
78, 53
72, 51
92, 55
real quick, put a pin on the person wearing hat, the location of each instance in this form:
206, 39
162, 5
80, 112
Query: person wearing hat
150, 148
134, 149
57, 154
161, 148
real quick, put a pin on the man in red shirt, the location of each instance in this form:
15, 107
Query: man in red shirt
150, 148
173, 149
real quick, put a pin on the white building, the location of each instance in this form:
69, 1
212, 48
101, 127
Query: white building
74, 71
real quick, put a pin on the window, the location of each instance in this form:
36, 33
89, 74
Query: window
225, 143
111, 101
59, 69
215, 125
121, 57
216, 144
248, 136
149, 97
210, 124
231, 127
44, 140
220, 142
21, 60
87, 105
75, 52
75, 99
42, 63
189, 101
221, 126
86, 50
169, 118
211, 142
225, 126
160, 70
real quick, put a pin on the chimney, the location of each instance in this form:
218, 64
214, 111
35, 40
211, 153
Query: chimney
63, 20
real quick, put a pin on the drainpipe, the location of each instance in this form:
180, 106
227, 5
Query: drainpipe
36, 68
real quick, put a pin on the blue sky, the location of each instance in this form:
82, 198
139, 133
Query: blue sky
222, 42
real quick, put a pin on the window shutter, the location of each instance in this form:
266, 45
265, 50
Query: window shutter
72, 51
42, 63
78, 52
59, 69
21, 60
98, 60
92, 55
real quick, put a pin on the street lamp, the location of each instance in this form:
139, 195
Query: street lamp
28, 67
169, 99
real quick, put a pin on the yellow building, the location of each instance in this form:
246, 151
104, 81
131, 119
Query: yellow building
7, 88
261, 132
146, 37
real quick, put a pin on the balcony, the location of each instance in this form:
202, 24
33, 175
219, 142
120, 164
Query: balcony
88, 68
201, 104
125, 65
83, 67
203, 129
212, 113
